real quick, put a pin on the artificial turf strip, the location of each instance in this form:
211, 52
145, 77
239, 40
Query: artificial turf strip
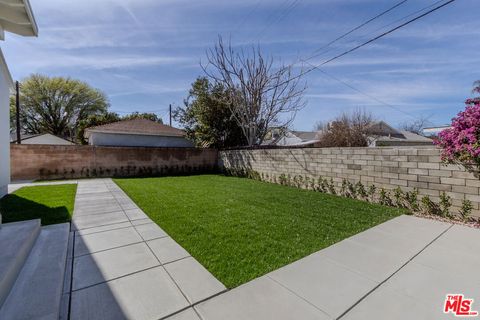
52, 204
240, 229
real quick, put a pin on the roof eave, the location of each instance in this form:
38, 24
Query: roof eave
12, 21
33, 22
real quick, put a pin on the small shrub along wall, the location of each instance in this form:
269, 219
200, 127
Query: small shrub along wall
49, 162
410, 177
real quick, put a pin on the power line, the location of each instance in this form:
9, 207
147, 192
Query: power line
285, 12
245, 18
407, 16
386, 33
387, 25
362, 92
367, 42
314, 54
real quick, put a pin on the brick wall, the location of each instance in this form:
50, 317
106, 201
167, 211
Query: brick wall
59, 162
387, 168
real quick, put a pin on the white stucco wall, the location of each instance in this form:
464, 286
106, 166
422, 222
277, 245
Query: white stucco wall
4, 129
135, 140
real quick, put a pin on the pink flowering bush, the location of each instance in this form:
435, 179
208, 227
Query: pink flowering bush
461, 143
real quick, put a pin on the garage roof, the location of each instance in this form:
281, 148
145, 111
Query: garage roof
16, 16
138, 127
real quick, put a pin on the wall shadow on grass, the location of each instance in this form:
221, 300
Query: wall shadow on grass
15, 208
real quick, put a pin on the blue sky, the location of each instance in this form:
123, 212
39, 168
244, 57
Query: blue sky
144, 54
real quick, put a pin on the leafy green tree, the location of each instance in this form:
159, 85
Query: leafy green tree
207, 118
139, 115
57, 105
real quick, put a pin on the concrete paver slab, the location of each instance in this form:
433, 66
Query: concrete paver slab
91, 189
368, 261
87, 203
460, 239
451, 261
135, 214
167, 250
142, 296
95, 242
260, 299
194, 280
90, 221
141, 221
385, 304
98, 210
92, 197
107, 265
316, 279
129, 206
114, 226
150, 231
413, 227
429, 286
405, 248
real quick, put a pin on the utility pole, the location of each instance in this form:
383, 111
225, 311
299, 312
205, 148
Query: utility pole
170, 111
17, 115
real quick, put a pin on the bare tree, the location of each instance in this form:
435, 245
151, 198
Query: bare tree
347, 130
416, 126
261, 95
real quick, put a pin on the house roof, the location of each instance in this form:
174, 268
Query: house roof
405, 136
381, 128
137, 126
306, 135
292, 138
16, 16
41, 138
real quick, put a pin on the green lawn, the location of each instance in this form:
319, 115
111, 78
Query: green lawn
52, 204
240, 229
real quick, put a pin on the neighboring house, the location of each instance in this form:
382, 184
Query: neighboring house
15, 16
137, 133
434, 131
45, 138
380, 134
286, 138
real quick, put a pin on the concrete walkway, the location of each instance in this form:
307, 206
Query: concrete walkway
125, 266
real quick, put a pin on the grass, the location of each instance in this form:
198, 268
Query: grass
240, 229
52, 204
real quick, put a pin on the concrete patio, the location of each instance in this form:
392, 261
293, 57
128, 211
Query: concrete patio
121, 265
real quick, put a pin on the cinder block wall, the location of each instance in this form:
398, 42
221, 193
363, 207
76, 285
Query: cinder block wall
60, 162
387, 168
